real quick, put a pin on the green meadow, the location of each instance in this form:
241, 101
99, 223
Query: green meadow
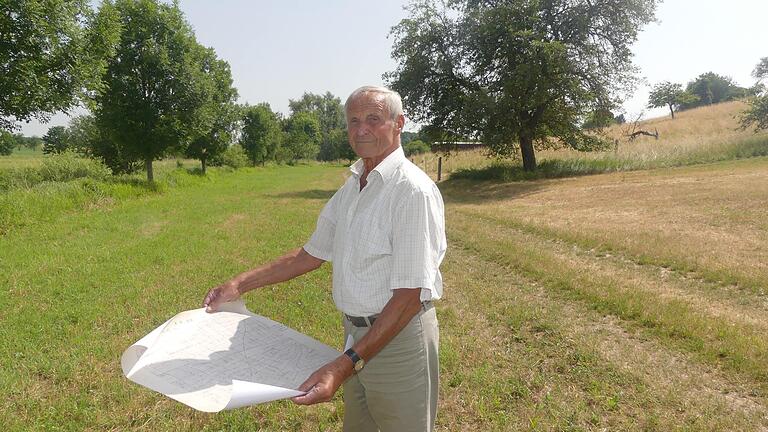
621, 301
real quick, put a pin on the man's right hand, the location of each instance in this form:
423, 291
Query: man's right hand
223, 293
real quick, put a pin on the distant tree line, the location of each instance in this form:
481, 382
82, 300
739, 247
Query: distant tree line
152, 90
707, 89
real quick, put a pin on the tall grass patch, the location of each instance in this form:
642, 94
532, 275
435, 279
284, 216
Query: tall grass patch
61, 185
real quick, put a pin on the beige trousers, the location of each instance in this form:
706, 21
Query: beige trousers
397, 390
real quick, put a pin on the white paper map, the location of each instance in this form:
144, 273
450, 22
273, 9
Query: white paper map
224, 360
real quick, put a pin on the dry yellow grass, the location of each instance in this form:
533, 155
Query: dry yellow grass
699, 135
697, 129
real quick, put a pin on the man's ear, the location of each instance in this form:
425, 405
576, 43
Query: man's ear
400, 122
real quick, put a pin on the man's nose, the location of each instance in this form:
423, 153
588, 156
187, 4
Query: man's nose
361, 131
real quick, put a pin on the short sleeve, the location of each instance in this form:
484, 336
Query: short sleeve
418, 243
320, 244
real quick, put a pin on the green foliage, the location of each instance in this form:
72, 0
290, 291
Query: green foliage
415, 147
56, 168
515, 72
672, 95
327, 108
330, 114
87, 139
304, 136
598, 119
56, 140
32, 143
261, 134
216, 113
761, 70
7, 143
756, 115
710, 88
406, 137
336, 146
52, 51
151, 96
68, 166
233, 157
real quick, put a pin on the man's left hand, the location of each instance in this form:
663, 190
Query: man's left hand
323, 383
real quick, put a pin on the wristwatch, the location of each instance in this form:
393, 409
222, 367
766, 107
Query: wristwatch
358, 362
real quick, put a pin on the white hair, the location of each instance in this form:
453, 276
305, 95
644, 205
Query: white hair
392, 99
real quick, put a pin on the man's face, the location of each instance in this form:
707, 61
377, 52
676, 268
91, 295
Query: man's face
372, 132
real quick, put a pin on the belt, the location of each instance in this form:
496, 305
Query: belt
368, 321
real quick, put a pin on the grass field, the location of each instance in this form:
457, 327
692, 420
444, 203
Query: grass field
623, 301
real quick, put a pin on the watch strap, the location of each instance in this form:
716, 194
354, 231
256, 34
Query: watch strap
352, 355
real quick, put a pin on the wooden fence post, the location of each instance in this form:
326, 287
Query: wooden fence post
439, 167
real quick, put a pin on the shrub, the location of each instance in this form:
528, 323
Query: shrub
14, 178
416, 147
233, 157
67, 166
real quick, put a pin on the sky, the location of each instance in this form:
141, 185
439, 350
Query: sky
279, 49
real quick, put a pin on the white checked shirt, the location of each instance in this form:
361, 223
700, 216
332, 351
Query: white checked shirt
390, 235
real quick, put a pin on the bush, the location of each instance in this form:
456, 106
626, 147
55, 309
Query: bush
416, 147
233, 157
57, 168
16, 178
67, 166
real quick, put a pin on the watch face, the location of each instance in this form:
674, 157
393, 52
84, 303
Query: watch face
359, 365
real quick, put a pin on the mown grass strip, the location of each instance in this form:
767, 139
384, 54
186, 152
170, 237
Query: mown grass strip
717, 275
514, 357
737, 347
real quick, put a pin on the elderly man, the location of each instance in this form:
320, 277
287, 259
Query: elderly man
384, 232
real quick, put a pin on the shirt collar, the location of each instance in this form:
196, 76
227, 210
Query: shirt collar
385, 168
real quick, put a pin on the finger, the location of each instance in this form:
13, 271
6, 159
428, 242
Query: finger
313, 396
308, 384
211, 300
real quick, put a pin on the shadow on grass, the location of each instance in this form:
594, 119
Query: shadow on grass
550, 168
461, 191
318, 194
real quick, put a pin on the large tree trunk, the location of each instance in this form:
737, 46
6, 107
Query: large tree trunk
202, 162
672, 110
150, 174
529, 157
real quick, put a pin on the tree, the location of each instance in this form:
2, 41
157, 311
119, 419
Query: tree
32, 143
304, 136
599, 118
415, 147
52, 51
335, 145
760, 72
216, 112
262, 134
330, 114
757, 113
149, 103
515, 72
7, 143
86, 138
56, 140
670, 95
711, 88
